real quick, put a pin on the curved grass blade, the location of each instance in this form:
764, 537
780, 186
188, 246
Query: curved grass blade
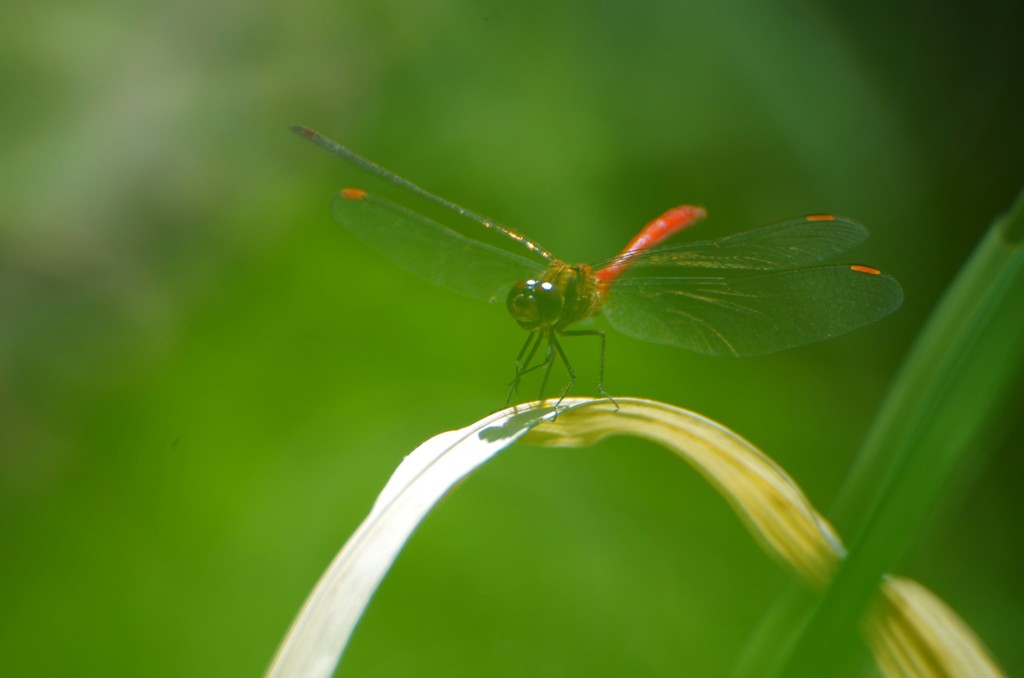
752, 314
770, 503
429, 248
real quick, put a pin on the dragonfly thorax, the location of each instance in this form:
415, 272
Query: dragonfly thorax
562, 296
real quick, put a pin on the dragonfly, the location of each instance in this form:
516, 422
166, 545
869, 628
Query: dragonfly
752, 293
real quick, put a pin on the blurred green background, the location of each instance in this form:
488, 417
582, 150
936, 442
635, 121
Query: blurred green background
204, 382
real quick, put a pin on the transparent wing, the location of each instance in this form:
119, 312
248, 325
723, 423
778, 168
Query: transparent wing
428, 248
751, 314
787, 244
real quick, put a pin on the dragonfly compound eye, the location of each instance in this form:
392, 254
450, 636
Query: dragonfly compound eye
535, 304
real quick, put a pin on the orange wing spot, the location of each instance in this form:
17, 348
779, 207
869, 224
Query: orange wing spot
353, 193
820, 217
865, 269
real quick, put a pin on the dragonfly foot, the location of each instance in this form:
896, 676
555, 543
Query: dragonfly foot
606, 394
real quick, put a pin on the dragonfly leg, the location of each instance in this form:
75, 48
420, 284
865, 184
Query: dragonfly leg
553, 342
529, 350
549, 361
600, 372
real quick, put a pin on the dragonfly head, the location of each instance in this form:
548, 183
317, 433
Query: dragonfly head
535, 304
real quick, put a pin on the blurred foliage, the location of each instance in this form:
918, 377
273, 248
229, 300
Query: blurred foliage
194, 361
